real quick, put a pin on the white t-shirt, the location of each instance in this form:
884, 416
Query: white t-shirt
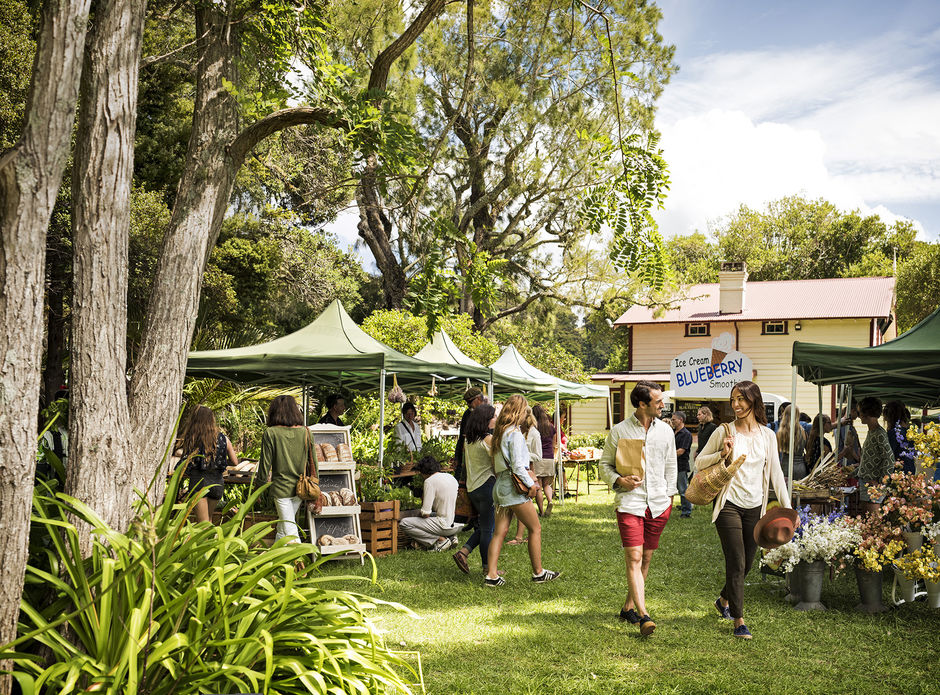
747, 487
411, 438
440, 497
533, 440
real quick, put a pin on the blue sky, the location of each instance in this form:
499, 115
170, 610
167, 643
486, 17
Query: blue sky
833, 99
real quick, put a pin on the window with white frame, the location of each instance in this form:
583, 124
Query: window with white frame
697, 329
774, 328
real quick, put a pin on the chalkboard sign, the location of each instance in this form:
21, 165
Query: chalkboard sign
330, 434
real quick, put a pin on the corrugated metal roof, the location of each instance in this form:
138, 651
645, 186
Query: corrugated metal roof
830, 298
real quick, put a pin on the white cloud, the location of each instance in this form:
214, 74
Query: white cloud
854, 124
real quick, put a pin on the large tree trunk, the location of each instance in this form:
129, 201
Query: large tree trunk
30, 175
99, 440
203, 194
375, 227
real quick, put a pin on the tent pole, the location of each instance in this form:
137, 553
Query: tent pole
559, 468
794, 423
822, 430
305, 399
381, 420
837, 425
610, 412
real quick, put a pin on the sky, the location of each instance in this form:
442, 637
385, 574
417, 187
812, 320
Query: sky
831, 99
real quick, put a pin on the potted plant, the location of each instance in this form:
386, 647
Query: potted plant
819, 541
910, 503
878, 545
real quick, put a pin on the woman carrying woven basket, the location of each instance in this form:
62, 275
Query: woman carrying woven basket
751, 447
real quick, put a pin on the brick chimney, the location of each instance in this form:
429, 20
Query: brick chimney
732, 282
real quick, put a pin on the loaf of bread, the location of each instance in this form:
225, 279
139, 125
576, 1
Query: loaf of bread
344, 451
328, 453
326, 539
326, 499
349, 499
336, 499
350, 538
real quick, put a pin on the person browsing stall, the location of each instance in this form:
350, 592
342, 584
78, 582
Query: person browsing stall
646, 445
472, 397
478, 464
407, 431
877, 458
683, 443
435, 528
743, 501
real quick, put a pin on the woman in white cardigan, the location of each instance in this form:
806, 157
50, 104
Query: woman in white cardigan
743, 501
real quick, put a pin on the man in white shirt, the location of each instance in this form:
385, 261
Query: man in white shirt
435, 528
643, 501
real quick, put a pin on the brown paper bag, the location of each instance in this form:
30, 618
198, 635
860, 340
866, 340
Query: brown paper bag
630, 459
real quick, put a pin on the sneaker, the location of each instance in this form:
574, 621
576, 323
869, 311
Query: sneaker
742, 632
630, 616
546, 576
499, 581
441, 545
724, 611
647, 626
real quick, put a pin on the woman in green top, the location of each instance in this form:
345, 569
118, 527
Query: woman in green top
283, 460
877, 457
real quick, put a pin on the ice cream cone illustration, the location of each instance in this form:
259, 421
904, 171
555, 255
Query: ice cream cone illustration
721, 346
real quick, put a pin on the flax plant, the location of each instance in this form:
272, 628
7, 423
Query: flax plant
179, 607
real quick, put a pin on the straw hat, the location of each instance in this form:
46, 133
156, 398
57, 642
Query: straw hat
776, 527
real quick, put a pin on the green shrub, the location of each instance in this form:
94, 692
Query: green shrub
595, 439
177, 607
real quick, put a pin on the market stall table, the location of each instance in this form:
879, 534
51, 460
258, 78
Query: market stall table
589, 461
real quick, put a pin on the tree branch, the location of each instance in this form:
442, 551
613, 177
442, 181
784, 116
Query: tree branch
279, 120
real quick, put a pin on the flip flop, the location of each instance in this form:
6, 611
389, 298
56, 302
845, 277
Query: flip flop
517, 541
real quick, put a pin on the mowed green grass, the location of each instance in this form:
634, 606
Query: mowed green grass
565, 637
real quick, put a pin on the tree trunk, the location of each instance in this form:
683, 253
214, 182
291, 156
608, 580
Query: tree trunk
375, 227
203, 194
30, 175
99, 441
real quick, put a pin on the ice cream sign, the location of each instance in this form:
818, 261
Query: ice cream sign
710, 372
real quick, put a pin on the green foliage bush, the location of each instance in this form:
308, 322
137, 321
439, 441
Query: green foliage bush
177, 607
594, 439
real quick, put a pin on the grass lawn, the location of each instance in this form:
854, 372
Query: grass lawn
565, 637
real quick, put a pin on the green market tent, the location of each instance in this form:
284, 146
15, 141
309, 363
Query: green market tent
331, 350
906, 368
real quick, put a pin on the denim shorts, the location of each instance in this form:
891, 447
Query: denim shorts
504, 492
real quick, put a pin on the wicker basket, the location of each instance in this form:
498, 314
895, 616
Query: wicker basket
706, 484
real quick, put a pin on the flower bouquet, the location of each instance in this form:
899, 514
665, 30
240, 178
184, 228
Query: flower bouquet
879, 542
828, 538
911, 501
920, 564
927, 444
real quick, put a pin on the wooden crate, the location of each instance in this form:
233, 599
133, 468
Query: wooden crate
380, 511
380, 537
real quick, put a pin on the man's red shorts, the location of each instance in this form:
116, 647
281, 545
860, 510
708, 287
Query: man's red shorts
642, 530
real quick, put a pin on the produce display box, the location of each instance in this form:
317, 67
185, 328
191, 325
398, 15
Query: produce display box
380, 511
380, 537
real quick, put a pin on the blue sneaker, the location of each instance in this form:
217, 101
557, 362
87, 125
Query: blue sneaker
742, 632
724, 611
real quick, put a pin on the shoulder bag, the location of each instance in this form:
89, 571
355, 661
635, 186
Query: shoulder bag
706, 484
308, 485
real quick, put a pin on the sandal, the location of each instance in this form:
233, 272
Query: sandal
460, 558
517, 541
